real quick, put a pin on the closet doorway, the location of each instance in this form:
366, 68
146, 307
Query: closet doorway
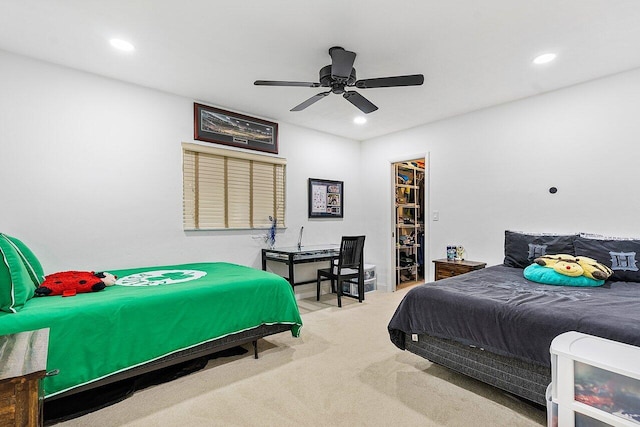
409, 231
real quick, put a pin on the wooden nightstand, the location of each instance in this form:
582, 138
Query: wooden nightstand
23, 363
446, 268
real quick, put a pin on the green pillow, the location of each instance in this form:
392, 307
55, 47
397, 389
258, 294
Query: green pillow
20, 274
16, 286
29, 259
548, 276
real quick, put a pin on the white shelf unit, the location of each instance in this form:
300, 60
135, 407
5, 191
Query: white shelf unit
595, 382
409, 219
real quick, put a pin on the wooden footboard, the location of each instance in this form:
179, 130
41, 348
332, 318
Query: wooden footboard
229, 341
523, 379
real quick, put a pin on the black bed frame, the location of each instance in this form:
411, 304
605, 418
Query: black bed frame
224, 343
523, 379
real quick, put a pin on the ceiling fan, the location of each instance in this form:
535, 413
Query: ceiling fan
340, 75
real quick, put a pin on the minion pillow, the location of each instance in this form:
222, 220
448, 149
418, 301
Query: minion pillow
567, 270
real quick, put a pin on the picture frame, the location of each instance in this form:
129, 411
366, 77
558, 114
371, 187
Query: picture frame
326, 198
237, 130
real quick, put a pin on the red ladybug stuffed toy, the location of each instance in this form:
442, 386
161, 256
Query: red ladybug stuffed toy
69, 283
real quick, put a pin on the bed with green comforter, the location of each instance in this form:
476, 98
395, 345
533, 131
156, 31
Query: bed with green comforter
149, 314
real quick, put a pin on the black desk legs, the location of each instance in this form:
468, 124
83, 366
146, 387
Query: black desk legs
291, 265
292, 258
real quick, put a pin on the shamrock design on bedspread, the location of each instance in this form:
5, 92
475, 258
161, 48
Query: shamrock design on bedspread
160, 277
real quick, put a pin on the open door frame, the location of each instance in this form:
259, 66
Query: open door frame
391, 276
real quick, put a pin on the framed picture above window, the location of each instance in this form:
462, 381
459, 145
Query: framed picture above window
224, 127
326, 199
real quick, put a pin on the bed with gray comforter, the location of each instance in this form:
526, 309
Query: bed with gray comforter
496, 326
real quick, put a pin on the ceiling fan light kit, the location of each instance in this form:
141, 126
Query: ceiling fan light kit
341, 74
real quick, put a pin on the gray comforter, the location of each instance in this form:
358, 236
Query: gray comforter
497, 309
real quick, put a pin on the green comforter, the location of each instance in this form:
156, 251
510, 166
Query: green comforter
156, 311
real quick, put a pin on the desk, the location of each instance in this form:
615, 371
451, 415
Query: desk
293, 255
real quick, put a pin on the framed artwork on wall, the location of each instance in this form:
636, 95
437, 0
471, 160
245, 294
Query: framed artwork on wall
228, 128
325, 198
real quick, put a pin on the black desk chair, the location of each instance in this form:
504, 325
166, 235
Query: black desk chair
350, 266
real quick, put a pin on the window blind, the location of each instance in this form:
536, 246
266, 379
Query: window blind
231, 189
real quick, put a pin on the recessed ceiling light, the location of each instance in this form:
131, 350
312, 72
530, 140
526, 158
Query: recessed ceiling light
122, 45
360, 120
544, 58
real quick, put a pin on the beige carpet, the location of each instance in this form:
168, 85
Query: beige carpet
342, 371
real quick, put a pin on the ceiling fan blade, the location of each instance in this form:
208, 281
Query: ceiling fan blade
360, 101
412, 80
279, 83
310, 101
341, 62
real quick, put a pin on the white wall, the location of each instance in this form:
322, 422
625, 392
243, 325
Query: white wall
491, 170
91, 173
92, 180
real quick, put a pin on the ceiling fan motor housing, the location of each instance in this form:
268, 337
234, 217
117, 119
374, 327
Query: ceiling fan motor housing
336, 84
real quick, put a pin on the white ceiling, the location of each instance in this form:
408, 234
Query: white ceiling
472, 53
